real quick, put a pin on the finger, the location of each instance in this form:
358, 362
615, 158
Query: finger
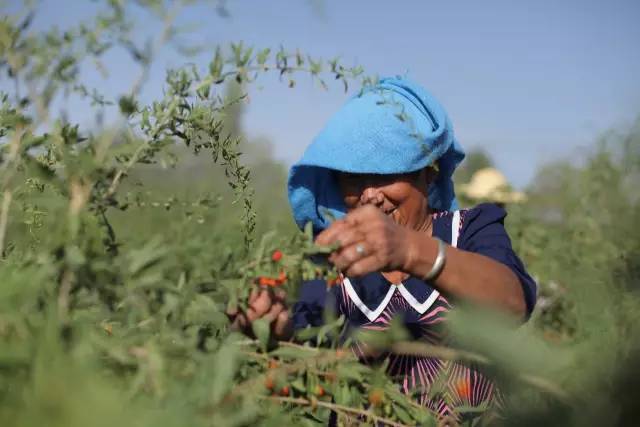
343, 258
273, 313
280, 295
260, 306
363, 215
240, 322
350, 236
363, 266
331, 234
276, 294
282, 326
253, 295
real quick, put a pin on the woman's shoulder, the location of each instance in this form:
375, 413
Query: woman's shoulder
468, 221
483, 225
482, 215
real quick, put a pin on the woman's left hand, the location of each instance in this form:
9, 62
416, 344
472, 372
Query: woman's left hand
369, 241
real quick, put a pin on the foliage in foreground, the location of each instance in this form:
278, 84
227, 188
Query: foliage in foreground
111, 312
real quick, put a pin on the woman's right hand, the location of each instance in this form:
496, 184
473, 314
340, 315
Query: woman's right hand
266, 304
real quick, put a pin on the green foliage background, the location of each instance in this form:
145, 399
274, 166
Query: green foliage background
121, 249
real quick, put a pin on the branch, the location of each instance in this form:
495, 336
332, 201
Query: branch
137, 86
132, 161
422, 349
4, 217
10, 168
414, 348
159, 42
335, 407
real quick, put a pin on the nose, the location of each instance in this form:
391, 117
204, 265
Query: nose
372, 196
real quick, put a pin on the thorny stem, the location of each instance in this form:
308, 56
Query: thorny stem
423, 349
412, 348
7, 195
445, 353
4, 217
79, 195
137, 86
159, 42
66, 283
42, 116
546, 386
338, 408
116, 179
324, 356
260, 68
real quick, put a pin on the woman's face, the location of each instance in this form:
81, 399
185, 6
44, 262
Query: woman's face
403, 197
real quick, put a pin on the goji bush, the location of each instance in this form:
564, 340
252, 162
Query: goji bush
113, 288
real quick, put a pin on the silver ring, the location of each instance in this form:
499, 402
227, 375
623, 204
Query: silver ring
360, 249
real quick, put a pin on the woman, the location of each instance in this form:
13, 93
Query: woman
383, 166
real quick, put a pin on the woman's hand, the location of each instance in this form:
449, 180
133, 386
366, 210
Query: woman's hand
369, 241
264, 304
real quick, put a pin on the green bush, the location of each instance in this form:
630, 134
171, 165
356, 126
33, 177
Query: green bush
121, 250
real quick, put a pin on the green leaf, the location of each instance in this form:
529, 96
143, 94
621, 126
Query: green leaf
224, 364
263, 55
353, 371
307, 333
128, 105
262, 329
403, 415
294, 353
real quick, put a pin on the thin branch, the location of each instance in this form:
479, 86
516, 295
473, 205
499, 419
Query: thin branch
7, 197
66, 283
338, 408
169, 18
323, 357
422, 349
414, 348
137, 86
4, 218
132, 161
546, 386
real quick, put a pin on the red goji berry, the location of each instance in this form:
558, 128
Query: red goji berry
376, 396
268, 382
276, 256
266, 281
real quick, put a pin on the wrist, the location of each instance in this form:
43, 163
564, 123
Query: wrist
438, 262
421, 254
412, 253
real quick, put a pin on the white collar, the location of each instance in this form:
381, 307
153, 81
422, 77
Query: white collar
373, 315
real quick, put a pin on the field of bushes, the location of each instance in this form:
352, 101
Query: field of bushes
122, 247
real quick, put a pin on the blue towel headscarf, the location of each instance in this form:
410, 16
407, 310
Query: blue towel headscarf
394, 126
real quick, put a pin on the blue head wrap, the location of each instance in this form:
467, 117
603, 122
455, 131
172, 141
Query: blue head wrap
394, 126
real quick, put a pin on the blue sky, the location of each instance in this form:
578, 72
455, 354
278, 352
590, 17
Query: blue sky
530, 81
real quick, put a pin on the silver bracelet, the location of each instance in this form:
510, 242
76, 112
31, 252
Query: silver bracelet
438, 264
